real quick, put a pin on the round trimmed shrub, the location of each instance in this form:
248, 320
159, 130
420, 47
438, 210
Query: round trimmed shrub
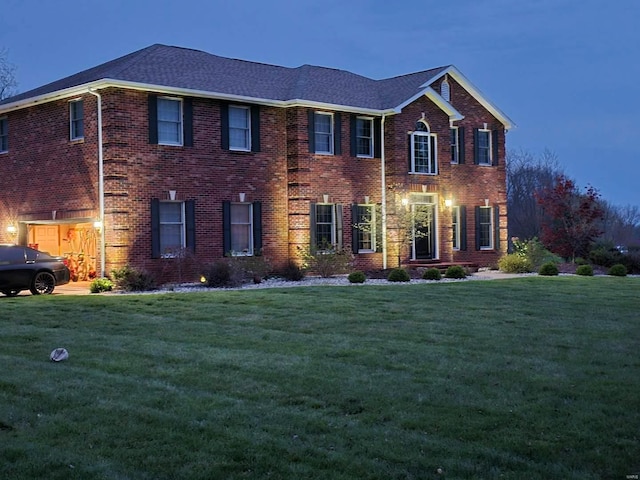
398, 275
100, 285
514, 263
549, 269
357, 277
585, 270
618, 270
455, 271
432, 274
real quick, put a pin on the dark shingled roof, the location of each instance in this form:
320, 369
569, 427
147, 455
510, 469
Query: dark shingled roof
166, 66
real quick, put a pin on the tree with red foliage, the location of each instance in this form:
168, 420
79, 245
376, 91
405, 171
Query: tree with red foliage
570, 222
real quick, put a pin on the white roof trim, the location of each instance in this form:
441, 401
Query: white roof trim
475, 93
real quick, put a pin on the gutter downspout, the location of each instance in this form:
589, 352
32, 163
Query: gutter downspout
383, 196
100, 184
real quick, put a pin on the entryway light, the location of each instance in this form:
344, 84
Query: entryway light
12, 229
448, 203
97, 225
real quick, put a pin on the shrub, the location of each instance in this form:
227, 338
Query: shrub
223, 273
293, 272
585, 270
604, 256
549, 269
534, 251
100, 285
132, 280
514, 263
455, 271
327, 260
357, 277
398, 275
432, 274
251, 267
618, 270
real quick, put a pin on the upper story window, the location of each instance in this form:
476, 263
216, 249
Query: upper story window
169, 121
239, 128
4, 135
323, 133
76, 120
455, 145
423, 150
364, 137
485, 146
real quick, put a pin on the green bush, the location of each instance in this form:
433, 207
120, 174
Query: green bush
549, 269
223, 273
357, 277
292, 272
618, 270
455, 271
534, 251
514, 263
251, 267
604, 256
432, 274
100, 285
327, 260
585, 270
398, 275
132, 280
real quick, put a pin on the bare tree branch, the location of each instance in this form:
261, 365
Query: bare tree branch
8, 81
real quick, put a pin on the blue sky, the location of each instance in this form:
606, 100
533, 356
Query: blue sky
566, 71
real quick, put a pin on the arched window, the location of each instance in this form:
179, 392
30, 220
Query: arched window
445, 90
423, 150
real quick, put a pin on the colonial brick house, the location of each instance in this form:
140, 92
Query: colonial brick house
169, 149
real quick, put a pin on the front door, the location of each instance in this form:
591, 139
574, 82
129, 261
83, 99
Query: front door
424, 238
47, 237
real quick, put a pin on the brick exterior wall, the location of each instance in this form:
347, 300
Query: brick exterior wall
45, 171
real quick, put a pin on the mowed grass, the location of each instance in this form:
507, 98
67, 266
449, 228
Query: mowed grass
535, 378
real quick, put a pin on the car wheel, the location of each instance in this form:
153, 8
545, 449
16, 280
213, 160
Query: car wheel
11, 293
43, 283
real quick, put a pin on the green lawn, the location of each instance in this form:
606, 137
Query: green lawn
535, 378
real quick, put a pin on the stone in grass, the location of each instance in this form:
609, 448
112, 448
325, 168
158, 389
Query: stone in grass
59, 355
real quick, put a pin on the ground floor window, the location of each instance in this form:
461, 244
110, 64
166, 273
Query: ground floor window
326, 226
364, 231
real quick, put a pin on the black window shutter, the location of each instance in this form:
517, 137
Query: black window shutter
461, 145
224, 125
155, 228
477, 214
337, 134
409, 140
312, 226
226, 227
311, 129
355, 229
255, 128
339, 226
494, 140
353, 125
463, 228
188, 121
377, 138
190, 222
496, 225
257, 227
476, 154
153, 119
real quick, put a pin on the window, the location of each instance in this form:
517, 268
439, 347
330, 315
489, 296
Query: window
169, 121
364, 228
241, 229
323, 133
172, 228
326, 225
455, 145
364, 137
423, 150
455, 227
76, 119
239, 128
4, 135
484, 220
485, 146
445, 90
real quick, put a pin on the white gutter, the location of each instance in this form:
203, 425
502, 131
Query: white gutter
383, 186
100, 184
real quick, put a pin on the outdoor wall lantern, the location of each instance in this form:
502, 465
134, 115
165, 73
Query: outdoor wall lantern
448, 203
97, 225
11, 229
